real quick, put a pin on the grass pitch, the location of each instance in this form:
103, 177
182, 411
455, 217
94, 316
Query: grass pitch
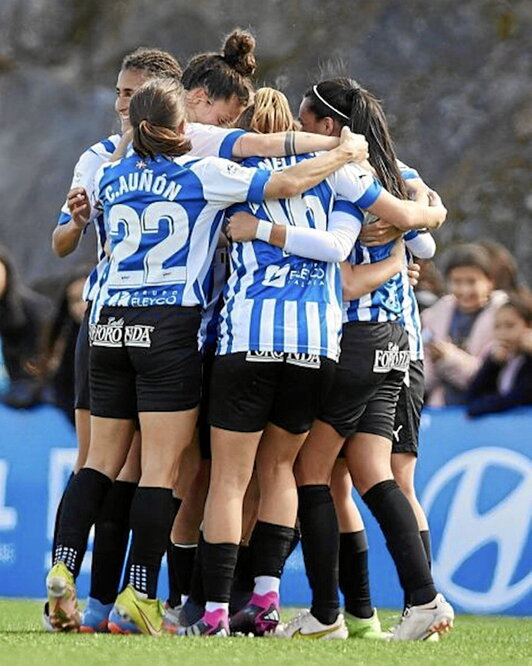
474, 640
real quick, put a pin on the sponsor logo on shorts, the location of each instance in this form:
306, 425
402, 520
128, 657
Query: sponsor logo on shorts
391, 359
107, 335
312, 361
115, 334
264, 357
138, 335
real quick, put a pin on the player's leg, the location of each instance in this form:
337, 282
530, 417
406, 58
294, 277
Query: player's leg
361, 617
406, 443
242, 392
368, 457
168, 380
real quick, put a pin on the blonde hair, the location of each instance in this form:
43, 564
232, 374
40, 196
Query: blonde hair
270, 112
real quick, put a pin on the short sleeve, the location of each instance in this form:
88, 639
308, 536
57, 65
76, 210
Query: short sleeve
226, 182
356, 185
212, 141
83, 176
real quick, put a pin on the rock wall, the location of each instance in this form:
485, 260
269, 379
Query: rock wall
454, 75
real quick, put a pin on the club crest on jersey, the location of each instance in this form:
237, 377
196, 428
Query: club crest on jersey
391, 359
107, 335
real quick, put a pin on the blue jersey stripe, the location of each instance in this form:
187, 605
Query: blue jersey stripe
63, 218
227, 145
370, 195
257, 186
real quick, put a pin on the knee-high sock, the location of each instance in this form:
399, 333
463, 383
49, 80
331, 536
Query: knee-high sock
111, 536
320, 543
82, 502
398, 523
152, 515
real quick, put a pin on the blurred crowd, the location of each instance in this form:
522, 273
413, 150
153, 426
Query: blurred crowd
477, 332
38, 329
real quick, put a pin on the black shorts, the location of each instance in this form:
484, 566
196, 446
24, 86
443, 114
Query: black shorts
408, 412
372, 364
204, 429
249, 390
144, 360
81, 364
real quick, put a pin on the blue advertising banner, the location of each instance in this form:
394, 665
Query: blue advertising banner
474, 479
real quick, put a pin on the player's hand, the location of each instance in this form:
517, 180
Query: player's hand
242, 227
378, 233
355, 145
413, 273
79, 206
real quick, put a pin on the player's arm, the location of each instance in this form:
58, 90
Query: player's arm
404, 215
68, 232
361, 279
281, 144
420, 243
306, 174
333, 245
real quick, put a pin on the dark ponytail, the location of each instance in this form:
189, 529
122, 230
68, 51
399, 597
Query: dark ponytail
155, 111
225, 74
346, 102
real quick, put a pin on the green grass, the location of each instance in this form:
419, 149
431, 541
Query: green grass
474, 640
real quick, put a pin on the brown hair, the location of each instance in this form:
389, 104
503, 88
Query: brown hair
224, 74
522, 304
154, 61
270, 112
469, 255
155, 112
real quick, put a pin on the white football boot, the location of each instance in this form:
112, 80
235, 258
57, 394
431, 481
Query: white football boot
419, 623
305, 625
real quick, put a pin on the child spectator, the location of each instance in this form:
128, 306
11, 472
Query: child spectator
505, 378
458, 329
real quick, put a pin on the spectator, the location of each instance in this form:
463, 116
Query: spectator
503, 267
430, 285
22, 316
505, 378
61, 341
458, 329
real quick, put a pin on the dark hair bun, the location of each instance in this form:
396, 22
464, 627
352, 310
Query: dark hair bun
238, 52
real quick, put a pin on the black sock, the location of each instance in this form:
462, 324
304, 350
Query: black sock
174, 587
320, 543
425, 538
197, 592
243, 581
58, 514
82, 502
398, 523
111, 536
270, 547
181, 560
354, 574
152, 515
218, 568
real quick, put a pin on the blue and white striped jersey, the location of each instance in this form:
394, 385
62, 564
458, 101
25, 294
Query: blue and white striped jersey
213, 288
410, 318
163, 218
281, 302
84, 172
